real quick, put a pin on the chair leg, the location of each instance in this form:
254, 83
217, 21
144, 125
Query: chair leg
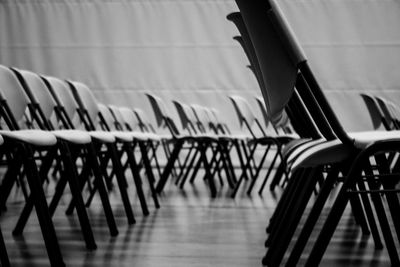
225, 164
286, 197
389, 184
189, 168
29, 202
170, 165
339, 206
196, 168
383, 221
244, 170
253, 182
9, 179
358, 213
370, 216
280, 171
46, 225
288, 225
210, 179
136, 178
313, 217
101, 187
72, 176
149, 172
4, 260
118, 171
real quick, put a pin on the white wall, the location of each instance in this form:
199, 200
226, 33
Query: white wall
183, 49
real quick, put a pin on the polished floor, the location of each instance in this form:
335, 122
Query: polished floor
189, 229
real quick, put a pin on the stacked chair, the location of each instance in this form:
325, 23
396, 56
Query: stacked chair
364, 165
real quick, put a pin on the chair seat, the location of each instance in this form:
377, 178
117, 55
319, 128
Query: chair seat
323, 153
265, 140
146, 136
303, 147
32, 137
102, 136
73, 136
122, 136
363, 139
293, 144
286, 138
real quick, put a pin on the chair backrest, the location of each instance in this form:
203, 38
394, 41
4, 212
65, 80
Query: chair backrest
40, 96
118, 118
129, 118
160, 111
186, 115
185, 121
387, 114
202, 119
87, 102
143, 119
243, 110
163, 118
279, 82
107, 120
66, 102
13, 97
374, 110
261, 105
284, 65
248, 48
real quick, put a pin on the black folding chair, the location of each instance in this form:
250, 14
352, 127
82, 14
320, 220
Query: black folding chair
278, 52
22, 148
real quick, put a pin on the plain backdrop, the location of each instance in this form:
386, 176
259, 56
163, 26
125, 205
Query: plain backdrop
183, 49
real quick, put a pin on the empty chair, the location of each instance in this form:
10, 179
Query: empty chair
278, 52
23, 144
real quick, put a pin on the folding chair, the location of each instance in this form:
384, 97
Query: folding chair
4, 260
104, 149
220, 144
22, 147
294, 109
178, 140
111, 117
94, 116
248, 119
132, 120
192, 162
78, 144
278, 52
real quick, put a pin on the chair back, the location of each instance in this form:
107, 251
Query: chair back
163, 118
14, 100
118, 118
65, 100
374, 110
144, 122
87, 103
129, 117
40, 96
243, 111
271, 36
159, 109
107, 120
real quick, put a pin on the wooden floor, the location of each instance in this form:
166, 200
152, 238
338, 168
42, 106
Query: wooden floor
190, 229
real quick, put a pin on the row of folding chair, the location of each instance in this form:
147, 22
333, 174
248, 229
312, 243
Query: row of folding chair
202, 128
204, 138
73, 134
272, 142
364, 166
